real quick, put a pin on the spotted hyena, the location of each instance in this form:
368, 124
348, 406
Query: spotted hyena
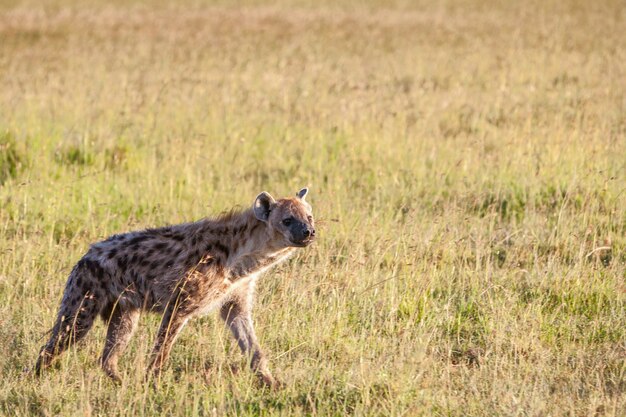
180, 271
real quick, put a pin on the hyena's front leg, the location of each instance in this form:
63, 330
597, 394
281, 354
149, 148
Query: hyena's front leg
237, 314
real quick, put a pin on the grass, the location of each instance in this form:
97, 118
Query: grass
466, 160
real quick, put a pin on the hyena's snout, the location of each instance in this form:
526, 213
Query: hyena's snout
309, 232
304, 234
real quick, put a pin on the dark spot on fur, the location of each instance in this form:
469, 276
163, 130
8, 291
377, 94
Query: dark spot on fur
222, 249
112, 253
107, 311
160, 246
221, 231
155, 264
138, 239
90, 307
101, 286
93, 267
191, 260
178, 237
122, 262
168, 252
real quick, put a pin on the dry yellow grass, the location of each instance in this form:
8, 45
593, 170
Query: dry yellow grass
467, 160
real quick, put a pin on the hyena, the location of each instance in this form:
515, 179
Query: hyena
180, 271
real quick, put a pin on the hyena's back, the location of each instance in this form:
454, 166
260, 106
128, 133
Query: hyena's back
140, 269
143, 267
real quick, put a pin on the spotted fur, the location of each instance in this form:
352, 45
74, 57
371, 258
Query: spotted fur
180, 272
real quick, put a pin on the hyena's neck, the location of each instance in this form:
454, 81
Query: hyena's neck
244, 243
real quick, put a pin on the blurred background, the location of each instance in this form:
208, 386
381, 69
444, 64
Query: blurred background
466, 161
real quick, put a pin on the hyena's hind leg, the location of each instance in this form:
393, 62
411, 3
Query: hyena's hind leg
122, 325
79, 308
174, 319
73, 323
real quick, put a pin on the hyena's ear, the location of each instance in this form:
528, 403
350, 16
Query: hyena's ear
302, 193
263, 206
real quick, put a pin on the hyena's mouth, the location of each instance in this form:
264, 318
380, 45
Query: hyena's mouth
302, 243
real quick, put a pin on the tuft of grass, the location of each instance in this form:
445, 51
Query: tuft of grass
74, 155
11, 160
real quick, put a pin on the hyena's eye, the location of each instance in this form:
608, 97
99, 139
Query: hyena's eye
287, 221
309, 218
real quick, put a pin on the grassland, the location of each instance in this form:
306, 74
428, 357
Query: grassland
467, 166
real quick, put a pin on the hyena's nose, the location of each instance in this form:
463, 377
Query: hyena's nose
307, 233
310, 232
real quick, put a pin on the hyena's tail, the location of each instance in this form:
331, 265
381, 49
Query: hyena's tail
81, 304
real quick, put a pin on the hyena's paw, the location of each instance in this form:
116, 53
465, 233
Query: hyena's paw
266, 379
114, 376
153, 376
110, 369
44, 360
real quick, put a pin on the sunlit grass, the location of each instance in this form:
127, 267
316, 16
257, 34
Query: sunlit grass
466, 161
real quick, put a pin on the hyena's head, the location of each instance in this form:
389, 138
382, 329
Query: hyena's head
290, 220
